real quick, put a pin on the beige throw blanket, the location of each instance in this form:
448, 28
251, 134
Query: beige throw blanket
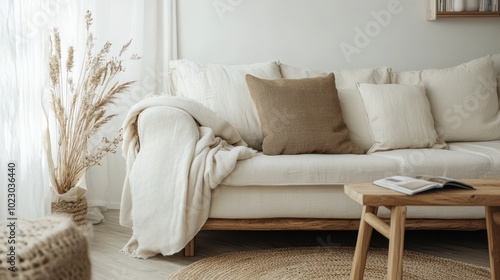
184, 150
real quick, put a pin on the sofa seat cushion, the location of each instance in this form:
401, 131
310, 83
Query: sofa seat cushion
310, 169
462, 160
450, 163
489, 150
276, 186
311, 201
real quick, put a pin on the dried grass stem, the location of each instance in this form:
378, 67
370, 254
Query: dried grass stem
80, 106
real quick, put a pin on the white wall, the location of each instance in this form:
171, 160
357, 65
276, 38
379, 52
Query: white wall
309, 33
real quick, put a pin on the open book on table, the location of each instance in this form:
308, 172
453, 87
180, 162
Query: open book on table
411, 185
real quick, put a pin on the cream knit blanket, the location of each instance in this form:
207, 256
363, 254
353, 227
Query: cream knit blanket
180, 152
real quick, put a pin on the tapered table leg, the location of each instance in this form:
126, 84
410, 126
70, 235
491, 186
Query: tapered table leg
362, 244
190, 247
396, 243
493, 228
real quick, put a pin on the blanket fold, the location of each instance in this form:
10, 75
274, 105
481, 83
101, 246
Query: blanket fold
180, 152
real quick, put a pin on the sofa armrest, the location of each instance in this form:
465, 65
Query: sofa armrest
165, 126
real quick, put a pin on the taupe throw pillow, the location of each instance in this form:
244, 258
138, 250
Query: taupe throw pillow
301, 116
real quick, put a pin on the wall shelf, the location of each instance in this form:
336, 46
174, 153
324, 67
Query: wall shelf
433, 14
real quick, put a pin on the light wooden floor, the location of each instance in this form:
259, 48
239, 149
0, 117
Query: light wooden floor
109, 237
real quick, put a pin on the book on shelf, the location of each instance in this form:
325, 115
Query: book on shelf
485, 5
441, 5
412, 185
494, 5
445, 5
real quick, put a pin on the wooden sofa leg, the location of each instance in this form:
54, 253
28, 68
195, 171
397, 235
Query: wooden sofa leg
189, 249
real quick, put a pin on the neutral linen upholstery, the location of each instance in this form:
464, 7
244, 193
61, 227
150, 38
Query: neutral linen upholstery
350, 101
462, 160
301, 116
292, 72
399, 116
309, 169
463, 99
320, 201
453, 164
222, 89
489, 149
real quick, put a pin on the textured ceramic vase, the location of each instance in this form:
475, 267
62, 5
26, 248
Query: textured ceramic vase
471, 5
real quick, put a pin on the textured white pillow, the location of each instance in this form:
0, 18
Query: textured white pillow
350, 101
400, 117
463, 99
223, 89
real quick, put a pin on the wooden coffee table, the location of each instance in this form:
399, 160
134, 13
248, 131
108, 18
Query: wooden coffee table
371, 197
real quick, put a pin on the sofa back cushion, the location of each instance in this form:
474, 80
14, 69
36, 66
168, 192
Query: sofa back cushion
350, 101
223, 89
400, 117
464, 99
301, 116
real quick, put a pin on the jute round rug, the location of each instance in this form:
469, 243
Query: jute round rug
323, 263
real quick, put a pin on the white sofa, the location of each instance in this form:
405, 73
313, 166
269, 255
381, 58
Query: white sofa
305, 191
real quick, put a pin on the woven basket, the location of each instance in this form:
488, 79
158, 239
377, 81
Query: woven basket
77, 210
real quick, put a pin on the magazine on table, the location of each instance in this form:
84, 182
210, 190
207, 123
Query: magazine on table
412, 185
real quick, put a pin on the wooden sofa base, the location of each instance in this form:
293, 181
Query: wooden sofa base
327, 224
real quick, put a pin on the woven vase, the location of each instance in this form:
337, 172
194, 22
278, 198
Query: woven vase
76, 209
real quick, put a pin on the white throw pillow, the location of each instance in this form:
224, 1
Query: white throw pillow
223, 89
400, 117
350, 101
463, 99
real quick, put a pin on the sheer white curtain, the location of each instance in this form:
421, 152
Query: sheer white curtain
24, 29
23, 80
